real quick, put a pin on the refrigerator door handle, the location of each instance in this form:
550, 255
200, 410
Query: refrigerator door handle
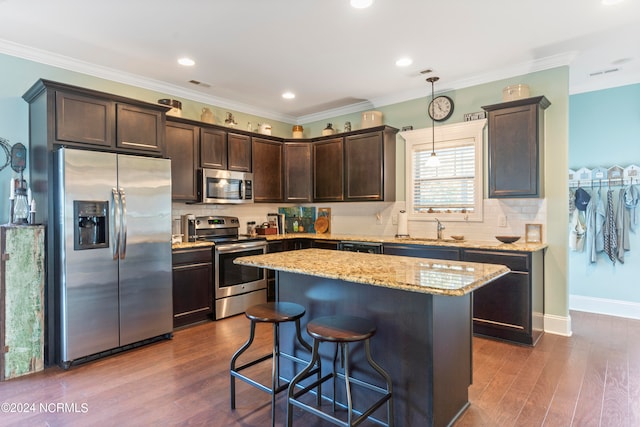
115, 214
123, 222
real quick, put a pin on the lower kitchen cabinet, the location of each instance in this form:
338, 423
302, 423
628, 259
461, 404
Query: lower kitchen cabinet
510, 308
296, 244
421, 251
273, 246
192, 286
325, 244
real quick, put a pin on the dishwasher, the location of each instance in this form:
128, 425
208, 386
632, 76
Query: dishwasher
370, 247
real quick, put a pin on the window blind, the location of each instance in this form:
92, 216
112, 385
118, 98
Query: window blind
448, 187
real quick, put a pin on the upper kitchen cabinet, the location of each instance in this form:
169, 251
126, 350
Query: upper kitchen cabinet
139, 129
370, 166
267, 170
238, 152
297, 172
516, 143
359, 166
222, 150
182, 141
83, 118
213, 148
328, 170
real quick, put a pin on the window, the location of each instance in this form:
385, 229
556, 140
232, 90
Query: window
451, 191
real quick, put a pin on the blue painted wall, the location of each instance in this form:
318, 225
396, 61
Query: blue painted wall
604, 130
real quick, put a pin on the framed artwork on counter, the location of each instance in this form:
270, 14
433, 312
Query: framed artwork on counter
533, 233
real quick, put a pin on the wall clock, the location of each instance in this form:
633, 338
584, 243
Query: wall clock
441, 108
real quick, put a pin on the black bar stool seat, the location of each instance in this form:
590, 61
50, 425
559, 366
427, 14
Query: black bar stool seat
275, 313
341, 330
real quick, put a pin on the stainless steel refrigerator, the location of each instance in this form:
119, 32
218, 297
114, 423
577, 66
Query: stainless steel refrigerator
113, 257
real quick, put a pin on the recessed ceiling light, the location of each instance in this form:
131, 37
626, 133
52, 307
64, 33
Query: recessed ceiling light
288, 95
361, 4
404, 62
187, 62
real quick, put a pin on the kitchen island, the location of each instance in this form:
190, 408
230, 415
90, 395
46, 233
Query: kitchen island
422, 309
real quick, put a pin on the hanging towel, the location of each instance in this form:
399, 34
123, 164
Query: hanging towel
577, 232
631, 201
609, 232
594, 221
622, 226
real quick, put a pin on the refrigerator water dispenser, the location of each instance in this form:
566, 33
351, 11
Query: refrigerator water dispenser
91, 230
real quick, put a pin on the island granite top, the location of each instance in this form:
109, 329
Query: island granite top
431, 276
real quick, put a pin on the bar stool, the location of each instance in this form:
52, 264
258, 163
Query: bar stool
341, 330
275, 313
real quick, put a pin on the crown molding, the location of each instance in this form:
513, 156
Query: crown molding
71, 64
335, 112
499, 74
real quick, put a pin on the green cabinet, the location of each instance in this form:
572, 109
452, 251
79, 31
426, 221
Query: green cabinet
22, 320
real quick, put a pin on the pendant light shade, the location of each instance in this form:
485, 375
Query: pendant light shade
433, 160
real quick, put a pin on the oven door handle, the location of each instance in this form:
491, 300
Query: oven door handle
229, 248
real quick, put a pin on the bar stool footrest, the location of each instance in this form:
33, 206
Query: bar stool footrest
386, 395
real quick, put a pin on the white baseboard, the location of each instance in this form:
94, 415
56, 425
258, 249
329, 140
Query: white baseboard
558, 325
604, 306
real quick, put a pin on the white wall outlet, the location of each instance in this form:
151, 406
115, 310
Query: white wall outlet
394, 219
502, 221
378, 218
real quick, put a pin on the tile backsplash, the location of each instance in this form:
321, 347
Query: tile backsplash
501, 217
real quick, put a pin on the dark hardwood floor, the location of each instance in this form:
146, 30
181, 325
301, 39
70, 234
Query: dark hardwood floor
589, 379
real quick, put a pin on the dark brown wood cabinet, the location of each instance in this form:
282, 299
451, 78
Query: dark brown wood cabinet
267, 170
139, 129
182, 142
328, 170
213, 148
369, 163
511, 307
192, 286
83, 120
239, 152
516, 143
297, 172
272, 246
422, 251
325, 244
360, 166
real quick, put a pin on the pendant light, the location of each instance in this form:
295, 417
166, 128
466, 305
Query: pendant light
433, 160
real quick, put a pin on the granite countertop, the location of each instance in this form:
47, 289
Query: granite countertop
520, 246
189, 245
429, 276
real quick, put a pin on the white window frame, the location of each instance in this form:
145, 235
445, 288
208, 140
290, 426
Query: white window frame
446, 135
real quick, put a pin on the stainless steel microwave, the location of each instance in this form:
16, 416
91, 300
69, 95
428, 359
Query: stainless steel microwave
222, 186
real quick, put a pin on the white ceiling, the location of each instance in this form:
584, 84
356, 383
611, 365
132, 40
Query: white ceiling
335, 58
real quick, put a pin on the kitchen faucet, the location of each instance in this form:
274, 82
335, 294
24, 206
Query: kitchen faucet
439, 228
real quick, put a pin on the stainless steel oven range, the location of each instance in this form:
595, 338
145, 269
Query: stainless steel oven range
236, 287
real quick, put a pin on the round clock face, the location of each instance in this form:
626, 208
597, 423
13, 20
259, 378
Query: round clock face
441, 108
